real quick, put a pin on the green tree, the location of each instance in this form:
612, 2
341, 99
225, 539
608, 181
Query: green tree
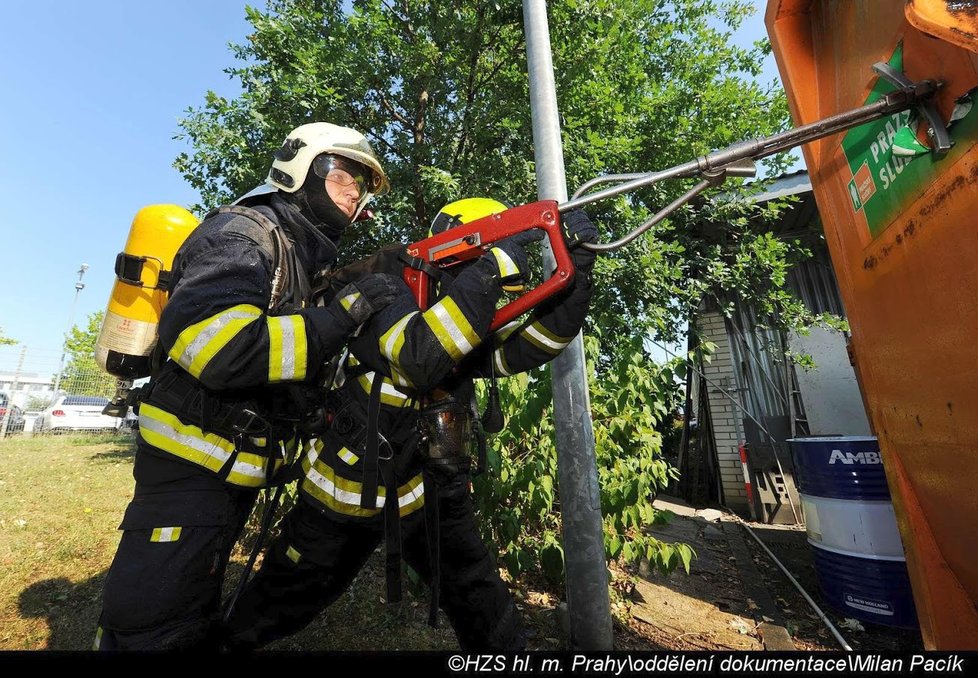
442, 91
82, 375
5, 340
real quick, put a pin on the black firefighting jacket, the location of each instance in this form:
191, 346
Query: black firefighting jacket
417, 353
219, 399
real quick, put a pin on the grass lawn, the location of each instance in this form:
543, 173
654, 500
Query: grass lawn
61, 500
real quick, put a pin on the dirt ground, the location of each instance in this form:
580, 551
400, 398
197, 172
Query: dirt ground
736, 598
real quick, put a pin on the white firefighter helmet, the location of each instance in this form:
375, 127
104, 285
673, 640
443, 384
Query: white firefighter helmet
307, 142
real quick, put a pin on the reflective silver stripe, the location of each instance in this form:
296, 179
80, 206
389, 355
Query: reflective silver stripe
387, 389
541, 338
353, 498
288, 348
393, 339
246, 469
411, 496
348, 301
341, 495
210, 329
499, 360
453, 330
186, 440
506, 331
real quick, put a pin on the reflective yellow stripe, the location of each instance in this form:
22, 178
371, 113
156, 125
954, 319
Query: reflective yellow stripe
506, 331
348, 301
507, 267
410, 496
310, 455
97, 645
286, 348
343, 496
389, 394
453, 331
392, 340
165, 534
347, 456
544, 339
249, 470
293, 555
400, 379
391, 343
338, 494
200, 342
165, 431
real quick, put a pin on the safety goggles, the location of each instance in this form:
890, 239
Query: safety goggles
345, 172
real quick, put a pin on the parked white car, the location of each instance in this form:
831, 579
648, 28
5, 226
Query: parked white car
76, 413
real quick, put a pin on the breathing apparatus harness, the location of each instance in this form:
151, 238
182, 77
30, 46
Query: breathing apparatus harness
446, 429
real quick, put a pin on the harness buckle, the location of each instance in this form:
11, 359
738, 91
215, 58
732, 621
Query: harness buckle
245, 420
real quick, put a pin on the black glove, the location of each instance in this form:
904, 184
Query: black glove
580, 229
366, 296
511, 261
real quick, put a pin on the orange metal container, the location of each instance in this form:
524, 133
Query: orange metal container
903, 234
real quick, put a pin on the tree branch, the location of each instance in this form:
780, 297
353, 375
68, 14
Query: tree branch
393, 111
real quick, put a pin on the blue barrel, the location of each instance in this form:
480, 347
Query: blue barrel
859, 560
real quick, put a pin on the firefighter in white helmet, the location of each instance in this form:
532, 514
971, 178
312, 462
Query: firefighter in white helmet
241, 347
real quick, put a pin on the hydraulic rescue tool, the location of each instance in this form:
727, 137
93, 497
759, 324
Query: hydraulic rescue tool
425, 258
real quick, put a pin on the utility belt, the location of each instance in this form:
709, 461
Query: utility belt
235, 440
182, 395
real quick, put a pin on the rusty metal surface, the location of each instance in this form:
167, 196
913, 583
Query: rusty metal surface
950, 20
908, 277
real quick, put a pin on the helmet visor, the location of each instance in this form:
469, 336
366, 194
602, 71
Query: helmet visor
343, 171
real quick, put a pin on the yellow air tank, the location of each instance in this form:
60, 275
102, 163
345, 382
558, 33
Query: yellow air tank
129, 331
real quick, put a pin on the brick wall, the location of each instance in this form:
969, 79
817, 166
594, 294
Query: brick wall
726, 416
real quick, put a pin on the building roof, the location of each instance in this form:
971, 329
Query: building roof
785, 185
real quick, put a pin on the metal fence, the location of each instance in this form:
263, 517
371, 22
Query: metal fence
43, 392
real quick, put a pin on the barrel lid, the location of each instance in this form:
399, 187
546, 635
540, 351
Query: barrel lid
833, 439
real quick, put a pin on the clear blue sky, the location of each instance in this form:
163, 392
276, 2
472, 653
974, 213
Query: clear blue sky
91, 94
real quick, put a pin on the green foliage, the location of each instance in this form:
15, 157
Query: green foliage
442, 92
5, 340
519, 495
82, 375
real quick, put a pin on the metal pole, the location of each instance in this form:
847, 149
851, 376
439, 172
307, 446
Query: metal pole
79, 286
583, 540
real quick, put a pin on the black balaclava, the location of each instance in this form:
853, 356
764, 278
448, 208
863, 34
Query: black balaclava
316, 205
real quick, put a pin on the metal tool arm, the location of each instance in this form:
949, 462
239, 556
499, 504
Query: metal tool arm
738, 159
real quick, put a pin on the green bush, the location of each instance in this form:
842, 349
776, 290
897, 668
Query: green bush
630, 403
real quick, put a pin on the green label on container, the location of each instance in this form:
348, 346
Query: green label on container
890, 169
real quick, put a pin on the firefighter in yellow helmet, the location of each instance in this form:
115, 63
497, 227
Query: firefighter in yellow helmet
243, 347
415, 370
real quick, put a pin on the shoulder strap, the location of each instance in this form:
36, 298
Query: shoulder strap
280, 245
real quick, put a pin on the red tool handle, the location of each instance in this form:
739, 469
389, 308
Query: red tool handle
468, 241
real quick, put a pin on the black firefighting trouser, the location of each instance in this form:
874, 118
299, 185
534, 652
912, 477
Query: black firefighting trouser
163, 590
319, 553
